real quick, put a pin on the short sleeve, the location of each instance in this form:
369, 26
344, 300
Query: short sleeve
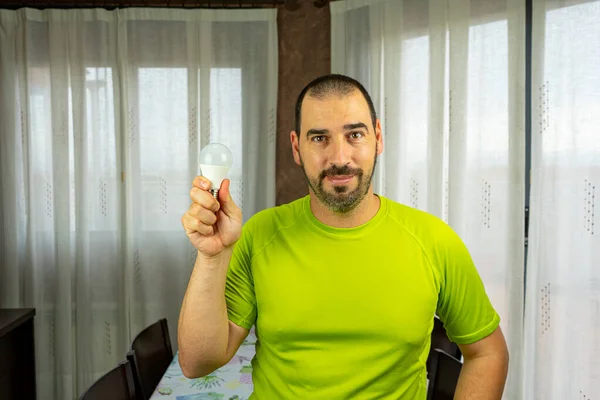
463, 304
239, 286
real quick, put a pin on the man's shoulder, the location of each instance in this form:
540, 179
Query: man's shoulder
268, 221
425, 227
412, 217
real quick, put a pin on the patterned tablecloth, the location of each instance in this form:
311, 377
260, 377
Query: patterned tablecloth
231, 382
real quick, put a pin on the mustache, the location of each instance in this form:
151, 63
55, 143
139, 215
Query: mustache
344, 170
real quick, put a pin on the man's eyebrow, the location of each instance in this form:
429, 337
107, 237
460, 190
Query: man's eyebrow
317, 132
349, 127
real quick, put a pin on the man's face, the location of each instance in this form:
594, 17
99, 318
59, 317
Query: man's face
337, 149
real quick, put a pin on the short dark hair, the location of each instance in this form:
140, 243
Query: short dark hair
332, 85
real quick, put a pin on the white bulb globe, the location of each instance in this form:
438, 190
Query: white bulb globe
215, 161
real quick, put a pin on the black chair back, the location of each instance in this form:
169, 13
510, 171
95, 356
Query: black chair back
116, 384
150, 355
440, 341
444, 376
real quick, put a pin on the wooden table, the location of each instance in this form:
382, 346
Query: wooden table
17, 354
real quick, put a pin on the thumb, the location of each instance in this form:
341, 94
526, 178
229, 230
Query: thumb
228, 206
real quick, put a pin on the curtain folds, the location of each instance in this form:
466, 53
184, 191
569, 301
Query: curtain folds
102, 117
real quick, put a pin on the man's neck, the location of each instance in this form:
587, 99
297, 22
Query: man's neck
361, 214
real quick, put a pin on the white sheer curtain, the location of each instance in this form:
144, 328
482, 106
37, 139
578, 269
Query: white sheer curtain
562, 341
448, 80
102, 116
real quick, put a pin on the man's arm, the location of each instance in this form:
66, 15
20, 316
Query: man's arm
485, 368
207, 339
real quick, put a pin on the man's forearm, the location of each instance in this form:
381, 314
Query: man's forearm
203, 324
483, 378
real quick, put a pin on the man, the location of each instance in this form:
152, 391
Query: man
343, 285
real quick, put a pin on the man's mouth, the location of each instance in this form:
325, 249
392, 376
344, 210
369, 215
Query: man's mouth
339, 179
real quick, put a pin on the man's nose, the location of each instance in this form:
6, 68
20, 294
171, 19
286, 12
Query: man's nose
340, 152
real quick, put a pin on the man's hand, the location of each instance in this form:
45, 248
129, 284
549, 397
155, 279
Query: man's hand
212, 225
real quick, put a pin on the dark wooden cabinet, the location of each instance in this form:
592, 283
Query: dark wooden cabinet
17, 354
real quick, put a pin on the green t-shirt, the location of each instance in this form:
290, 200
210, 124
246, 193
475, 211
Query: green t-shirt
347, 313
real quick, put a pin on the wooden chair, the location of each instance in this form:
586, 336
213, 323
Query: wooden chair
444, 376
116, 384
150, 355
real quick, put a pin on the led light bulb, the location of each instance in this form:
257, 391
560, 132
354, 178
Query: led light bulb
215, 162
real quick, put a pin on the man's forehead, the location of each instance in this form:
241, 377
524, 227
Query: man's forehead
339, 108
354, 98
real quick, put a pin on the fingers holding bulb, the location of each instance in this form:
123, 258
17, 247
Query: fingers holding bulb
201, 182
203, 229
204, 199
193, 225
202, 214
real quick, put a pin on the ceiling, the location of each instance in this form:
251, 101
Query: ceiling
111, 4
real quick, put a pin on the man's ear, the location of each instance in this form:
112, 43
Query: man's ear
295, 143
378, 136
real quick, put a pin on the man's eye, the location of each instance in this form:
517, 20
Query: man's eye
319, 138
356, 135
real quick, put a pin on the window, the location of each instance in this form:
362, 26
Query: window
168, 135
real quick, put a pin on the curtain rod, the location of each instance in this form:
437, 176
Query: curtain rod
41, 4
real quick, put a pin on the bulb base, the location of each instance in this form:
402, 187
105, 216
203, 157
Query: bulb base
215, 193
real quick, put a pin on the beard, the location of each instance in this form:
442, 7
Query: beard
342, 200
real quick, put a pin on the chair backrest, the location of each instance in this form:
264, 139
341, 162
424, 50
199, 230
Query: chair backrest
444, 376
116, 384
151, 354
440, 341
